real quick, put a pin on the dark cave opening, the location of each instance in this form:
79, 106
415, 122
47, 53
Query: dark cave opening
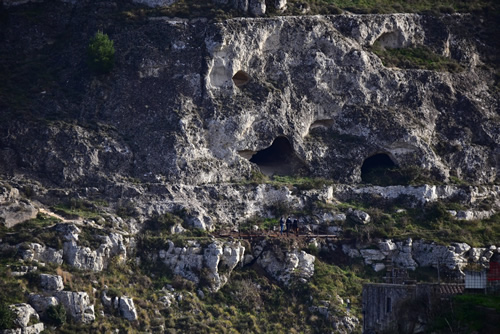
279, 158
374, 169
241, 78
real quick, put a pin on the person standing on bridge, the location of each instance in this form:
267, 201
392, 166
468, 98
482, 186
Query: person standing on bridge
288, 225
282, 224
295, 227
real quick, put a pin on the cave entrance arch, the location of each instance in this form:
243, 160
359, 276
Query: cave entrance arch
376, 169
279, 158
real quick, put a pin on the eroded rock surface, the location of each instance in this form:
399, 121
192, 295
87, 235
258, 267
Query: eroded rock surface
77, 305
286, 266
219, 258
411, 254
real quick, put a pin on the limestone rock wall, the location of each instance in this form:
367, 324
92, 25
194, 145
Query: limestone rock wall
172, 113
410, 254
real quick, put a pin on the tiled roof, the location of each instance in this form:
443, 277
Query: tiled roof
451, 289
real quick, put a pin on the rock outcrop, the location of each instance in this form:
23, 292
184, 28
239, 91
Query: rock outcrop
77, 305
24, 314
51, 282
410, 254
286, 266
14, 209
41, 253
127, 308
96, 260
218, 258
41, 303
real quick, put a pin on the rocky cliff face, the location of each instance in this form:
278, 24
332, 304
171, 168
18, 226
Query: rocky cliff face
191, 101
188, 120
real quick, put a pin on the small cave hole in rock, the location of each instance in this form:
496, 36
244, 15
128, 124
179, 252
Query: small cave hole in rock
390, 40
324, 123
241, 78
279, 158
375, 169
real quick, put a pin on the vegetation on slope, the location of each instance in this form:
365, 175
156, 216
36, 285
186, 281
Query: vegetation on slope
416, 58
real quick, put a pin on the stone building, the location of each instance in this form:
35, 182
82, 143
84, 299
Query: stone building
383, 304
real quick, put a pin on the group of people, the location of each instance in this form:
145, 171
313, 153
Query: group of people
291, 225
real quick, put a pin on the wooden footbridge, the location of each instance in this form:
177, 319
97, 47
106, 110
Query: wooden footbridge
274, 235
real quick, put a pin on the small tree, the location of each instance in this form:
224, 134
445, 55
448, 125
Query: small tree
101, 53
7, 316
56, 315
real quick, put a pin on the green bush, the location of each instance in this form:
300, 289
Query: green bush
101, 53
7, 317
56, 315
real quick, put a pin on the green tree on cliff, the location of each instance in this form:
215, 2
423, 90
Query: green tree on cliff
101, 53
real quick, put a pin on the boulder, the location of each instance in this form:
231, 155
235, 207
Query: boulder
77, 305
461, 248
167, 299
360, 217
475, 254
41, 253
51, 282
106, 301
24, 314
288, 266
372, 255
14, 209
387, 246
40, 303
127, 308
257, 7
280, 5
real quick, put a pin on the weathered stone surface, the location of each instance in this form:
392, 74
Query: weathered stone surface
14, 209
431, 254
221, 259
280, 4
411, 254
85, 258
218, 258
287, 266
37, 252
127, 308
51, 282
310, 63
24, 313
40, 303
77, 305
371, 255
360, 217
33, 329
184, 261
474, 215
